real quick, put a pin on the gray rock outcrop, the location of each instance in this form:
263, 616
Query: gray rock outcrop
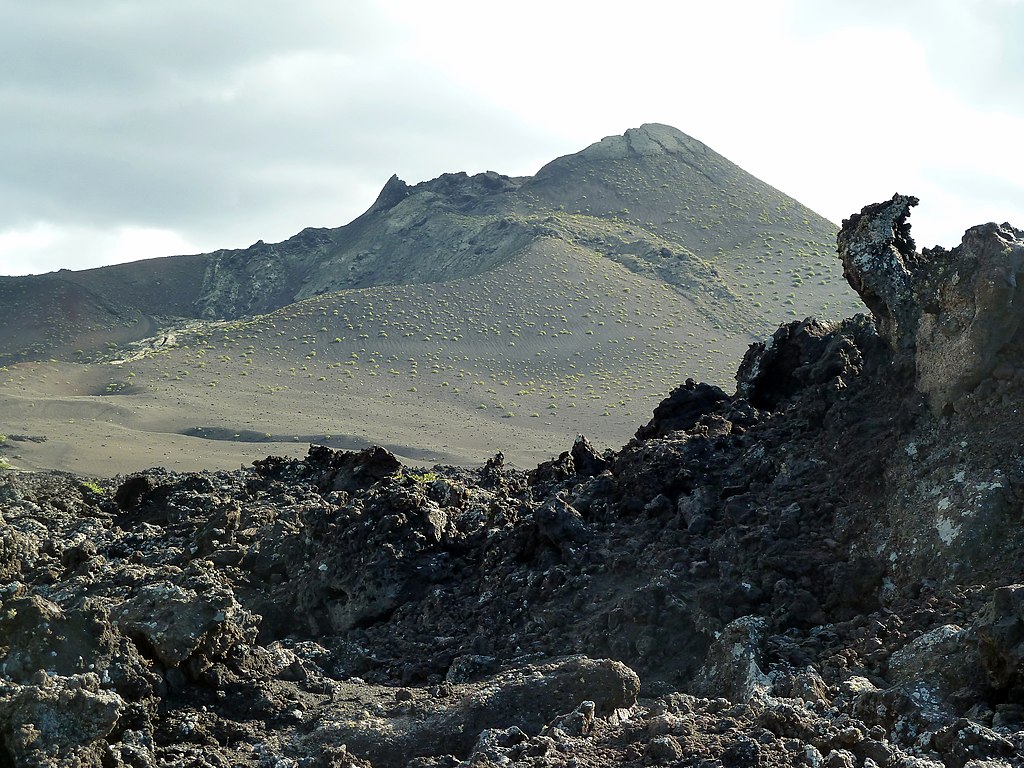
953, 311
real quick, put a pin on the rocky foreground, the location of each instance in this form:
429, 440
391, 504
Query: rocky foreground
823, 569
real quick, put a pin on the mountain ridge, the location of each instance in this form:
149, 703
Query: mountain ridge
449, 227
515, 309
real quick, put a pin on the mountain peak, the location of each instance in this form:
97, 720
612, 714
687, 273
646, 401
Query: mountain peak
650, 145
394, 191
649, 140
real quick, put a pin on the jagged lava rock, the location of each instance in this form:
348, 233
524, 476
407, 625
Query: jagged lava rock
954, 311
811, 554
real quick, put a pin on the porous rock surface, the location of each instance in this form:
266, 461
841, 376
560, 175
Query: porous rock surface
959, 311
822, 569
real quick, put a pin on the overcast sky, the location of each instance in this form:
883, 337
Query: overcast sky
138, 129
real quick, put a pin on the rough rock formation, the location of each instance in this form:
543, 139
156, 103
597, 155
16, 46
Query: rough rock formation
956, 311
817, 570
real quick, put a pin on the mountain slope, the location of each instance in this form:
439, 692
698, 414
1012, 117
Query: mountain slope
594, 286
761, 244
555, 342
653, 199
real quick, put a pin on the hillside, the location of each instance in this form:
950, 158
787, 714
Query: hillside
514, 311
433, 371
821, 569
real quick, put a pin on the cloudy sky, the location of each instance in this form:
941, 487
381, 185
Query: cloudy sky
133, 129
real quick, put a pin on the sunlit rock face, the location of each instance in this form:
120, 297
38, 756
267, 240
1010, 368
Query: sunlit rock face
958, 312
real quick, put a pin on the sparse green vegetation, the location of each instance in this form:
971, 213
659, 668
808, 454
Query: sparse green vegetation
626, 295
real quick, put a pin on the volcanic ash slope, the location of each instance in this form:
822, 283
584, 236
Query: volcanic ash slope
455, 318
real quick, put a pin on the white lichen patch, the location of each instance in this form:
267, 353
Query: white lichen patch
948, 531
985, 487
888, 585
929, 701
855, 684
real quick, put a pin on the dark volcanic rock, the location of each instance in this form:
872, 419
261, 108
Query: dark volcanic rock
682, 409
585, 458
801, 356
394, 192
1001, 633
816, 570
878, 255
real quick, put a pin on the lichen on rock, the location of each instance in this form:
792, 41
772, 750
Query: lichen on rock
954, 312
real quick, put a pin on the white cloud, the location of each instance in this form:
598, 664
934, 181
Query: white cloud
44, 246
20, 250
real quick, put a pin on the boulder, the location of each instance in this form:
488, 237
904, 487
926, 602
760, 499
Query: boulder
58, 720
732, 668
175, 624
682, 409
490, 715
